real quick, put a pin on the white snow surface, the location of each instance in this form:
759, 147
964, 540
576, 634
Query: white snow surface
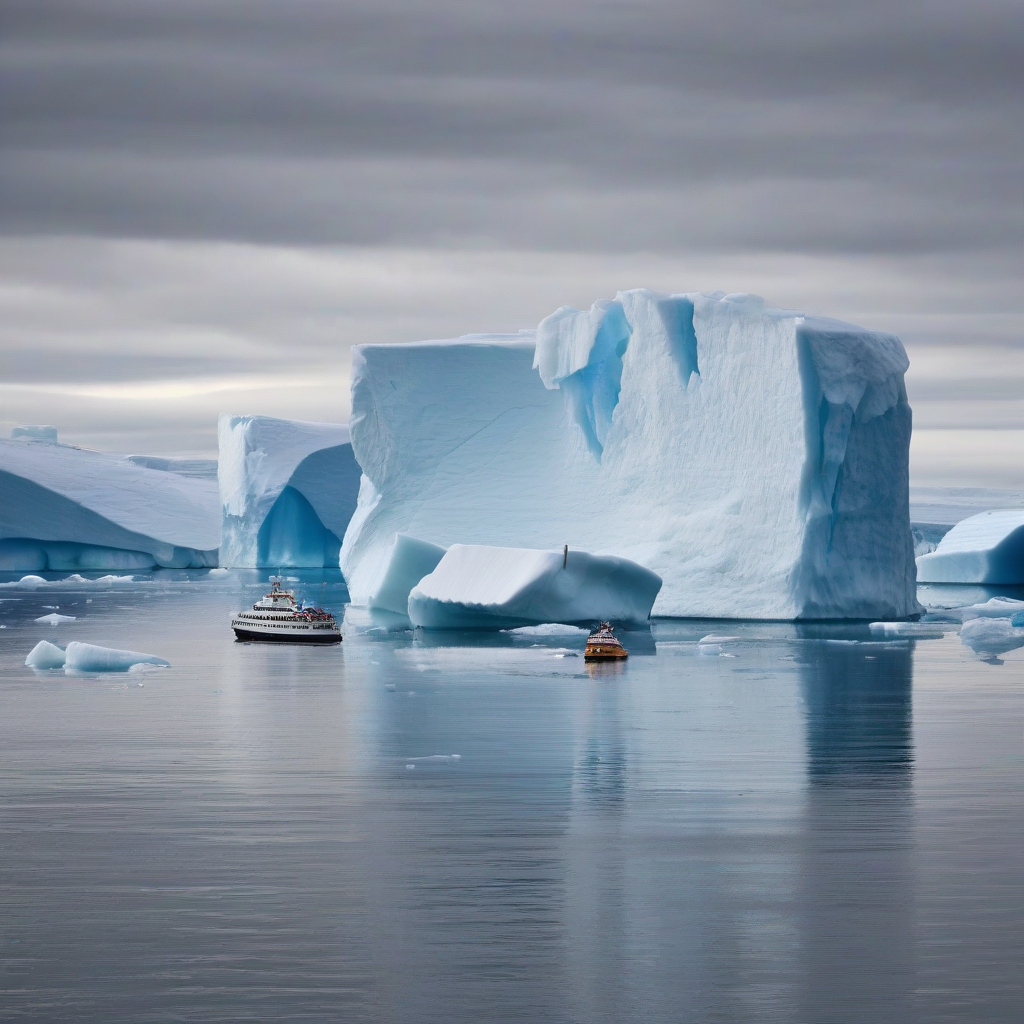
288, 489
754, 458
409, 561
480, 587
68, 508
985, 548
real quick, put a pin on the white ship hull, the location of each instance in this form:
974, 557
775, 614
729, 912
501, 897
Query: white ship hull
287, 632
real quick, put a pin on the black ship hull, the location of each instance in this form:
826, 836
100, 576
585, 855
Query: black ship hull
283, 638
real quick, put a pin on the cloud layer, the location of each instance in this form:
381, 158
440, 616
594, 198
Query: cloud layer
234, 190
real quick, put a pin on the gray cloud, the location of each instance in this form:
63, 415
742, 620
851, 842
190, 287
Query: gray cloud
199, 193
552, 125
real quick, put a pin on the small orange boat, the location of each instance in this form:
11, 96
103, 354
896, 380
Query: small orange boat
604, 645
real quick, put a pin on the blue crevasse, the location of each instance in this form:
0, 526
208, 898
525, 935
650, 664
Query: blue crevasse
581, 353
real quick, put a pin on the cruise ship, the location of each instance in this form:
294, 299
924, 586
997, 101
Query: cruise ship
278, 618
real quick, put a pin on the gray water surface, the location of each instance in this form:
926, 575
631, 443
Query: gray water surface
804, 824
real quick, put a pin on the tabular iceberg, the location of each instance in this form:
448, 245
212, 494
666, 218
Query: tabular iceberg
754, 458
66, 508
288, 489
479, 587
986, 548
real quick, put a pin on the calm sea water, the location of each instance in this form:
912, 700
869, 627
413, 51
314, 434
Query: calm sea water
802, 826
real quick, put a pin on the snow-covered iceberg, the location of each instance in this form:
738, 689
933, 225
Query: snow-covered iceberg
985, 548
409, 560
67, 508
288, 489
478, 587
754, 458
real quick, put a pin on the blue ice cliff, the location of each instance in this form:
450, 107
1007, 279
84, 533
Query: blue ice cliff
288, 489
754, 458
67, 508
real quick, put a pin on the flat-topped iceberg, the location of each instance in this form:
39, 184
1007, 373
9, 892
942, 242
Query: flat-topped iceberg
288, 489
67, 508
985, 548
754, 458
478, 587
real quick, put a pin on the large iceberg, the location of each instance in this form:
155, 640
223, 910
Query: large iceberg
67, 508
478, 587
985, 548
754, 458
288, 489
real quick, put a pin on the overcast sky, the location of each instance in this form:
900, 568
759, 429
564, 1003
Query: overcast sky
205, 203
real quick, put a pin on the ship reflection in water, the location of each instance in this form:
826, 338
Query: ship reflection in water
793, 824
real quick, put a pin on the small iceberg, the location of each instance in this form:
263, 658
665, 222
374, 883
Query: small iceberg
991, 637
45, 656
81, 657
480, 587
53, 619
907, 630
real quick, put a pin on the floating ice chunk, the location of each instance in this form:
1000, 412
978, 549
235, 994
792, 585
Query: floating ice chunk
714, 638
915, 630
53, 619
27, 583
74, 580
219, 572
986, 548
754, 458
81, 657
991, 636
550, 629
36, 432
476, 587
436, 759
995, 608
409, 560
45, 655
288, 489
